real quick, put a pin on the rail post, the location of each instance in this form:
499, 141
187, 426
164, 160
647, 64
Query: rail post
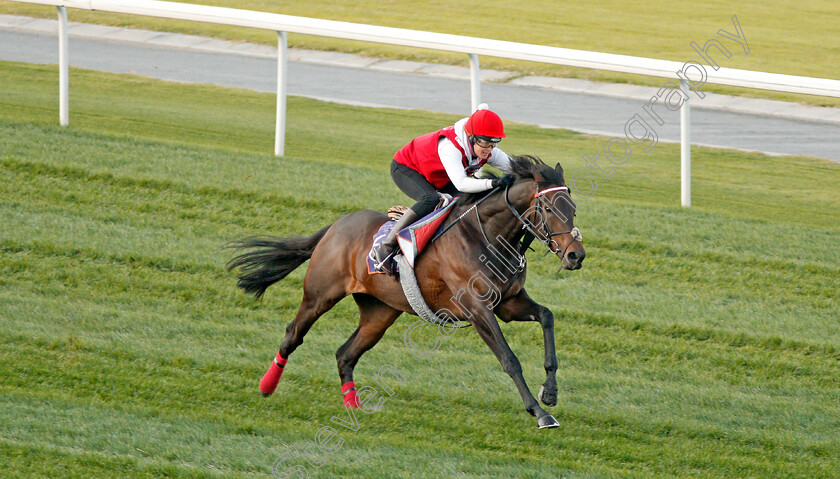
685, 148
475, 82
280, 123
63, 70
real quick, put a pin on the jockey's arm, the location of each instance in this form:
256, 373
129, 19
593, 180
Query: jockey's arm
499, 159
451, 159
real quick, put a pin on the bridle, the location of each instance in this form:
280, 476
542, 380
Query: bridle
545, 235
527, 225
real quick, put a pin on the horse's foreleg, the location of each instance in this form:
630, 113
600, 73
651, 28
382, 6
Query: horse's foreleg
522, 308
491, 333
375, 318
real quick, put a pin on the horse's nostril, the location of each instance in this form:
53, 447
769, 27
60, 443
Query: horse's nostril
575, 257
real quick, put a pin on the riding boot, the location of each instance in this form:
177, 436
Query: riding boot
382, 254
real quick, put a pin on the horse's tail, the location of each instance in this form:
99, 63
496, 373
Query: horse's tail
271, 259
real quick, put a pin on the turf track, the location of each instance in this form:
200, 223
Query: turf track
698, 342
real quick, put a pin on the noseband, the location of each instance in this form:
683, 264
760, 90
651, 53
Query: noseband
527, 225
545, 236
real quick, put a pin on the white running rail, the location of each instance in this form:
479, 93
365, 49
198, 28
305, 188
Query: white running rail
471, 46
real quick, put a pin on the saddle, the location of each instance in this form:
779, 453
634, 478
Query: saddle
395, 212
413, 239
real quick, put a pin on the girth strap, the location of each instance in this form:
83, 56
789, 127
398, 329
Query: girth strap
415, 297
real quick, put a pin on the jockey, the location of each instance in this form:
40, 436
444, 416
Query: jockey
448, 161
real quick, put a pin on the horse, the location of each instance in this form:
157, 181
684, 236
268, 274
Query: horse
461, 260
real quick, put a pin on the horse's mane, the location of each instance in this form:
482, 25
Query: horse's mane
525, 168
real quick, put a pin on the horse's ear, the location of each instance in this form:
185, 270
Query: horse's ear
559, 170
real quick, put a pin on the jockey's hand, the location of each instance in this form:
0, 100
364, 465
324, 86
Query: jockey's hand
504, 181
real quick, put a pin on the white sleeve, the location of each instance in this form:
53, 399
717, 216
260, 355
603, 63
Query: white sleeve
500, 160
451, 159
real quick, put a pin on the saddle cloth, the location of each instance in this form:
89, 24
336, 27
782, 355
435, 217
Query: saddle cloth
414, 238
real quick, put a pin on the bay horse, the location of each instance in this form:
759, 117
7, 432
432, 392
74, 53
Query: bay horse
461, 273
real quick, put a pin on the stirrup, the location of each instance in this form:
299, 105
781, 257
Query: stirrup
387, 261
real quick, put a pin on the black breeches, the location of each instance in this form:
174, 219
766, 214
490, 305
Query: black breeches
418, 188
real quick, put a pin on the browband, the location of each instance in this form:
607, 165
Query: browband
549, 190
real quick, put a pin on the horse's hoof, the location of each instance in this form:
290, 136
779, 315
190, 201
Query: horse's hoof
548, 398
547, 422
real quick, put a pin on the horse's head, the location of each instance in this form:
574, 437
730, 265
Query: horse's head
550, 211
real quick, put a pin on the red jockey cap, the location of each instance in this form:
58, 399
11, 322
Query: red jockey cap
485, 123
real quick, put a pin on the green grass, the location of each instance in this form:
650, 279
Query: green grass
698, 342
795, 38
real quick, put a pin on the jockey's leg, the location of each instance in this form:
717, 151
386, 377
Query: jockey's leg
418, 188
385, 250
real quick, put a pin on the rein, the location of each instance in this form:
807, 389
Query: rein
548, 234
465, 213
527, 225
530, 234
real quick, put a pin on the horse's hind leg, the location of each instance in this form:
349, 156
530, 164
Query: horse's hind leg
314, 305
376, 317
